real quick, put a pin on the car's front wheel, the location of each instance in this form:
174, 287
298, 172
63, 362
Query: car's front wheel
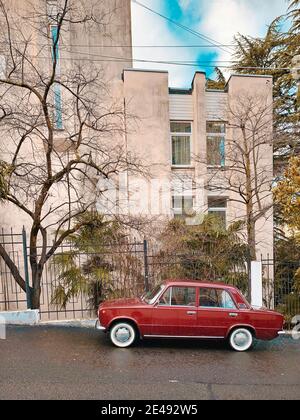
123, 334
241, 339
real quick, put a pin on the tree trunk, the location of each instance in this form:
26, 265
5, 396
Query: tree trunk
37, 271
251, 235
13, 268
36, 298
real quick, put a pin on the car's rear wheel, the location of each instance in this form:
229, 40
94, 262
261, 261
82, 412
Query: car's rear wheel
122, 334
241, 339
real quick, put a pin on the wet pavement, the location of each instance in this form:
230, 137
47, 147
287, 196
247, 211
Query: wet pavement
74, 363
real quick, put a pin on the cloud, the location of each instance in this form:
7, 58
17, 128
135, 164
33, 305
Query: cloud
149, 29
222, 20
185, 4
217, 19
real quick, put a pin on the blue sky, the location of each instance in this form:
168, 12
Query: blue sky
219, 20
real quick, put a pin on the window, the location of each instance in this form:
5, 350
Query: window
179, 296
181, 143
165, 300
151, 296
216, 298
2, 66
56, 88
218, 207
215, 143
182, 206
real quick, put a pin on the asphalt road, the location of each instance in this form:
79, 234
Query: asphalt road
73, 363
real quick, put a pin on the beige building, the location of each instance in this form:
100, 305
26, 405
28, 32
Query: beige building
101, 45
206, 151
189, 138
194, 143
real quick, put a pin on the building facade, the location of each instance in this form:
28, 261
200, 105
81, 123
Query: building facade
190, 139
94, 42
193, 140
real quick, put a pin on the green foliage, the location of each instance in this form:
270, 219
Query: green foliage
290, 307
287, 195
95, 234
294, 13
287, 277
208, 251
287, 250
219, 83
274, 53
84, 268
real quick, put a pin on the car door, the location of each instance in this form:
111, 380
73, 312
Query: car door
217, 312
176, 313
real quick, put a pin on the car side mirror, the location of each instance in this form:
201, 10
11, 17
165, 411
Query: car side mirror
242, 306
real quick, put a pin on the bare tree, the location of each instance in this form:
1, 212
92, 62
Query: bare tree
60, 127
246, 174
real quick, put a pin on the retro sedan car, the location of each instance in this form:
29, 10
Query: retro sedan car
189, 309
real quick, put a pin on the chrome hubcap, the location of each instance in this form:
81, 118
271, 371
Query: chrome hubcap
122, 335
241, 339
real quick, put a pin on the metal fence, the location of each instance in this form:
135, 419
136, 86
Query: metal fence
281, 281
12, 296
116, 271
195, 266
126, 270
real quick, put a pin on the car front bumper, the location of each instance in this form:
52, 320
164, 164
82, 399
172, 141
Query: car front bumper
99, 327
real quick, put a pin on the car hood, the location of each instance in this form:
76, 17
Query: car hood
132, 302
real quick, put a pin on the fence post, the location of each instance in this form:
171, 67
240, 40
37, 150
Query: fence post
256, 283
26, 269
146, 265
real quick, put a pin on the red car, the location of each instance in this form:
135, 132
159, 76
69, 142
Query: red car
189, 309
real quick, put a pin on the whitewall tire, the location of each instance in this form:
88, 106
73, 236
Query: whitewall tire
241, 340
122, 335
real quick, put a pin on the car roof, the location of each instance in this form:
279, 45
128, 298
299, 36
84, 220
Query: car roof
197, 283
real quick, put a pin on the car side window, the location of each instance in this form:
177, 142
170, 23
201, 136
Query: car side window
226, 300
183, 296
165, 300
179, 296
215, 298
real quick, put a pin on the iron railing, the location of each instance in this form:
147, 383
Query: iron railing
126, 270
12, 297
281, 281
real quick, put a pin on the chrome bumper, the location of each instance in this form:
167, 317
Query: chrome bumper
282, 333
99, 327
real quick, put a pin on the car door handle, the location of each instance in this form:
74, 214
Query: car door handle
191, 312
233, 315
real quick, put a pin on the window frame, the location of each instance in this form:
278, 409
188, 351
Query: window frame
216, 135
212, 210
180, 211
204, 308
177, 134
58, 120
179, 306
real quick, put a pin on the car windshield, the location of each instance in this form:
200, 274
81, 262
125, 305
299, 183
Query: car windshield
150, 297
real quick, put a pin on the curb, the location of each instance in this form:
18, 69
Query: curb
27, 317
74, 323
